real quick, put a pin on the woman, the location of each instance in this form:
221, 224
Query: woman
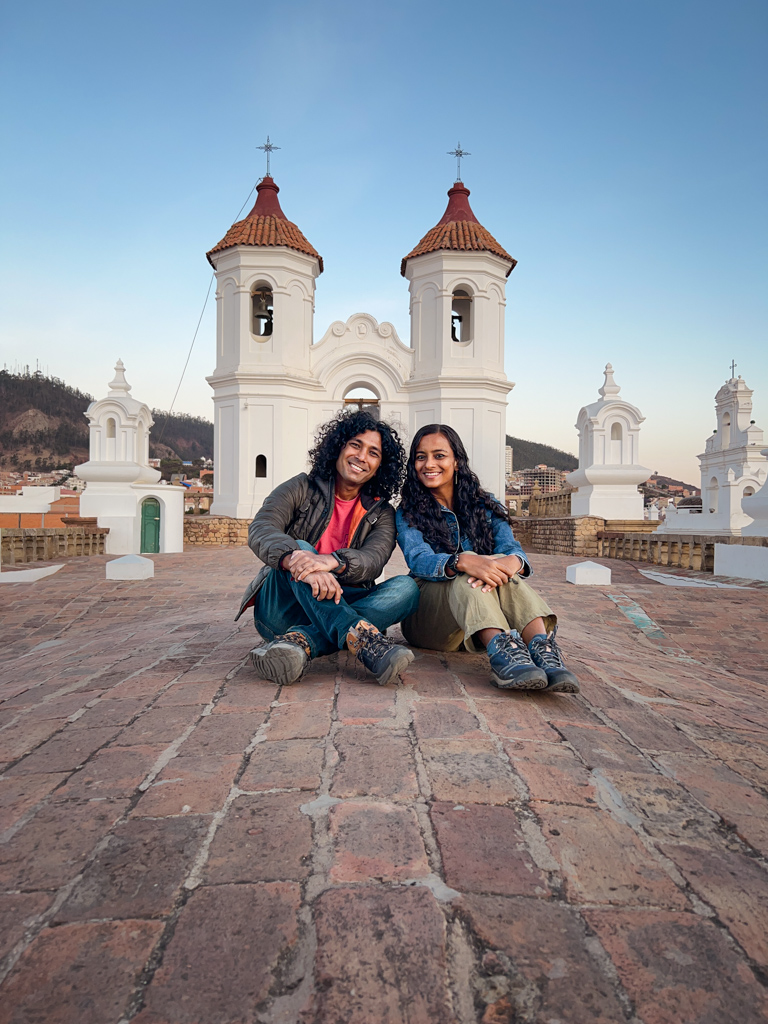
459, 545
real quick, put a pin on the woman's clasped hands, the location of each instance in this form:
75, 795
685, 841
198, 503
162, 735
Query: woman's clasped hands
488, 571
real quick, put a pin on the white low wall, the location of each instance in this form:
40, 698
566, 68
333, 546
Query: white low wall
31, 499
748, 563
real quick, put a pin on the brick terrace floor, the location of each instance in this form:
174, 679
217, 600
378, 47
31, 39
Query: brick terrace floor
184, 844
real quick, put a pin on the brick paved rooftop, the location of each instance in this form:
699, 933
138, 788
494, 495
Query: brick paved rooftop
184, 844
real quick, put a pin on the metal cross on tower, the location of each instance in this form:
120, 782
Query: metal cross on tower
733, 369
268, 148
458, 153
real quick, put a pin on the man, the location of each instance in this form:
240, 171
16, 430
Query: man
324, 538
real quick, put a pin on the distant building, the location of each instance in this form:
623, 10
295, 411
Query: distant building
548, 478
508, 462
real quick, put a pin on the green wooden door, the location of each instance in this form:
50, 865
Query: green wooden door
150, 526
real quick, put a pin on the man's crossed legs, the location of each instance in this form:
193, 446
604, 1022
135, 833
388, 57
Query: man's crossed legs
299, 627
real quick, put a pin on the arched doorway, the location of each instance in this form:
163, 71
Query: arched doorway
150, 526
363, 398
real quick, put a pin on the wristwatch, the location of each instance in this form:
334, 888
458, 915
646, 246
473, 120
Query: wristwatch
343, 563
452, 563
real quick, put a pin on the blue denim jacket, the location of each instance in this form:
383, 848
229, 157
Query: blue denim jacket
428, 564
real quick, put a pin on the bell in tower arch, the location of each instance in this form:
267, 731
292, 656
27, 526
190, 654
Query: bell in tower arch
261, 305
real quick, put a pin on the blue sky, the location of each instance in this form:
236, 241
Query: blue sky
618, 152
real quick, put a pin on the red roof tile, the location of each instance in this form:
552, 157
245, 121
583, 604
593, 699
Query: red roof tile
459, 230
266, 224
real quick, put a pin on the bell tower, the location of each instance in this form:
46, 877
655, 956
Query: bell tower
263, 388
457, 279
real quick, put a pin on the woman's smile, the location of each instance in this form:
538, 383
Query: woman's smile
435, 462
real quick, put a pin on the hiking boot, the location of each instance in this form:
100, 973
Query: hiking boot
378, 653
513, 668
547, 655
284, 660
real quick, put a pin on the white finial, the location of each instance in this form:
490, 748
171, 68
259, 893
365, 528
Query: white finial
119, 384
610, 387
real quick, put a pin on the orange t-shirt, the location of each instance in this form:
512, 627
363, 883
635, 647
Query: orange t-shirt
340, 530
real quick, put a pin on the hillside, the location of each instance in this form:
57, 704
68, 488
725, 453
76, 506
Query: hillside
528, 454
42, 426
189, 437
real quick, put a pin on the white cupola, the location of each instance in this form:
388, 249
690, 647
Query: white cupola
122, 491
119, 437
609, 461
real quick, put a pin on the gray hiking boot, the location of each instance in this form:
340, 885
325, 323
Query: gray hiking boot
284, 660
547, 655
380, 655
511, 663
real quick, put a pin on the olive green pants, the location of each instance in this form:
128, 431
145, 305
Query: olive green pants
451, 611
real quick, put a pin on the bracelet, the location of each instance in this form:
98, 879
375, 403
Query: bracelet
452, 563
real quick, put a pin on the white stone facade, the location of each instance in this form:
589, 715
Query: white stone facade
271, 390
119, 479
733, 468
609, 460
756, 507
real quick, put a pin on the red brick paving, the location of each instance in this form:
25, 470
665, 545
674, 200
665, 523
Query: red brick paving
181, 843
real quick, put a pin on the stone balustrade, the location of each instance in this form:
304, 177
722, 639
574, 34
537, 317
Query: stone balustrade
636, 541
42, 544
215, 531
551, 505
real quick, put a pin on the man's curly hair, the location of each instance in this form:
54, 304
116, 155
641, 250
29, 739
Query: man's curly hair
333, 435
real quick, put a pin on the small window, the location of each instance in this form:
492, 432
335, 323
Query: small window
461, 316
111, 428
261, 313
261, 466
748, 492
616, 432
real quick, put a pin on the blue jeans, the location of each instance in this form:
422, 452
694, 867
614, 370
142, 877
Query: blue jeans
285, 606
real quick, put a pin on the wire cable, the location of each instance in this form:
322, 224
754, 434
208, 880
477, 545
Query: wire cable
194, 336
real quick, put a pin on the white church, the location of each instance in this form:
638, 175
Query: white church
273, 385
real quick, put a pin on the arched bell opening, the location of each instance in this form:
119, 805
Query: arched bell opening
261, 467
748, 491
712, 494
262, 312
725, 432
111, 439
461, 316
614, 451
365, 399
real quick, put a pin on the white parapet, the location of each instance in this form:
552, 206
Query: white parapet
742, 561
131, 567
588, 574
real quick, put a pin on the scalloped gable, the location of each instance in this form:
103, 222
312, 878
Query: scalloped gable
266, 224
459, 231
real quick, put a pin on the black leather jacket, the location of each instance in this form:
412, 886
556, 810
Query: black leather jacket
301, 509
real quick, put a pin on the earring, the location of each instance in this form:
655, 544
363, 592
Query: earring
455, 478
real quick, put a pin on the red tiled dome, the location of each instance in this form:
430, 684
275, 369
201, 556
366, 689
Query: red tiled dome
266, 224
459, 230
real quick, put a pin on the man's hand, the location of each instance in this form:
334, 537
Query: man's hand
488, 571
301, 563
325, 586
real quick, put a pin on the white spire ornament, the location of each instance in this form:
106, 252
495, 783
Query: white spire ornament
609, 464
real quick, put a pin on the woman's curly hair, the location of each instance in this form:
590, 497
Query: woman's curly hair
470, 502
333, 435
